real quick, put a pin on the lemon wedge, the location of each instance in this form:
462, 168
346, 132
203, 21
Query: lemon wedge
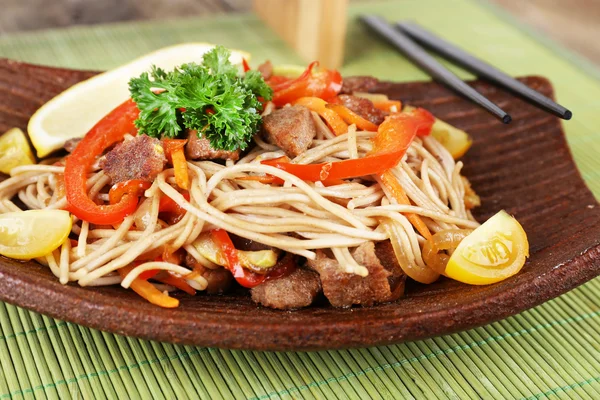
75, 111
29, 234
491, 253
14, 150
288, 70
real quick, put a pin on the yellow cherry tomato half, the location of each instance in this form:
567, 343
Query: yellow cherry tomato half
491, 253
29, 234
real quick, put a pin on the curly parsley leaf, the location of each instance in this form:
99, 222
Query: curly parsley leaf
255, 82
212, 98
217, 61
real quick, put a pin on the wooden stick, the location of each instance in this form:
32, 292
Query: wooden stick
316, 29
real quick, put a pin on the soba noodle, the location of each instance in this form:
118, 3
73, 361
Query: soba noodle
298, 217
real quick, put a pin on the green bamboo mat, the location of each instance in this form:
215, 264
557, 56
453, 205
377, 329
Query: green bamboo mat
551, 351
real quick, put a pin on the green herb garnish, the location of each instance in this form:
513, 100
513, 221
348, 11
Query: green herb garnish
219, 102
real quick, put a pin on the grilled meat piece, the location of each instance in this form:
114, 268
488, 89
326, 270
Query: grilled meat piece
141, 158
290, 128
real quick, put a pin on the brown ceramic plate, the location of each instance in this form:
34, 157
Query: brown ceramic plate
524, 168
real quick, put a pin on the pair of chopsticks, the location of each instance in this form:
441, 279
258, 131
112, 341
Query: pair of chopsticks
405, 35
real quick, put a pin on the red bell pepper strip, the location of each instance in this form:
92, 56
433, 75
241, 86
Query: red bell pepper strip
168, 205
170, 211
303, 172
108, 131
244, 277
278, 83
151, 273
276, 80
337, 170
245, 65
135, 187
425, 117
323, 84
393, 138
397, 131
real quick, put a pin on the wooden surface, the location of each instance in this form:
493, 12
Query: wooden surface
574, 23
309, 26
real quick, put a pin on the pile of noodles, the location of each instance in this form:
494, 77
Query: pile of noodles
297, 217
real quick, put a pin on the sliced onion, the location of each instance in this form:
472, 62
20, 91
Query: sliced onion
434, 260
420, 274
143, 215
447, 239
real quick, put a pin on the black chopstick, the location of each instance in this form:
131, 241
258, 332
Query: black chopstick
481, 69
416, 53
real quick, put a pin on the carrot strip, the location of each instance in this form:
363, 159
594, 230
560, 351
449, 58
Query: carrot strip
351, 117
181, 170
174, 150
337, 125
334, 121
388, 179
180, 283
148, 291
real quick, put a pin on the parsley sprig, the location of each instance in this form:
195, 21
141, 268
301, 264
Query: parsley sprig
218, 101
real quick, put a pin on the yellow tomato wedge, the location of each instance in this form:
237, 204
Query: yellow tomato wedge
29, 234
14, 150
456, 141
493, 252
